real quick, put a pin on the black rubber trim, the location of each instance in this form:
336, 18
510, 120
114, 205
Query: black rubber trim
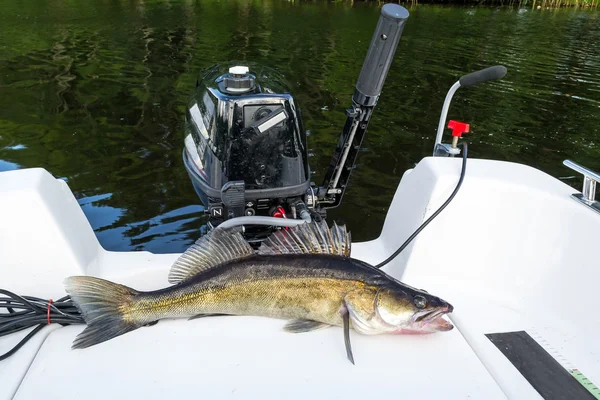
289, 191
540, 369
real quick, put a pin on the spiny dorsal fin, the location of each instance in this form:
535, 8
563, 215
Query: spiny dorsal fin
212, 249
310, 238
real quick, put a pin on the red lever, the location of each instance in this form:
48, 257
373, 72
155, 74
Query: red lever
458, 128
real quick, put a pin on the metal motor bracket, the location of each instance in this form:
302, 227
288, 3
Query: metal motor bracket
369, 86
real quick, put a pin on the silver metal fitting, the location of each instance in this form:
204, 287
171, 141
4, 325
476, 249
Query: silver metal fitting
588, 193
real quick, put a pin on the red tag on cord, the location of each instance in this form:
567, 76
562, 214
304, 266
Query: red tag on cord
48, 315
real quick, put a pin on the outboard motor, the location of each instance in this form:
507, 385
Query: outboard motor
245, 145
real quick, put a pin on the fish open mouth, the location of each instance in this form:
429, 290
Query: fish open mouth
439, 323
434, 321
429, 316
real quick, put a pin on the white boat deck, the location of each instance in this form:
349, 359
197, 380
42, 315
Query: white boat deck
512, 252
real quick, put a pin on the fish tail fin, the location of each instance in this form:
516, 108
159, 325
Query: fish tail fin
104, 306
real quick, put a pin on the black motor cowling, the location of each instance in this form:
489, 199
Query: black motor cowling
245, 146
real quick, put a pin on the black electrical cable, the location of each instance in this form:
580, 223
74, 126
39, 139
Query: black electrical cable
435, 214
18, 313
21, 343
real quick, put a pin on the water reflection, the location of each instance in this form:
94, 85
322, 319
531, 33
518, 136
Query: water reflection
173, 228
8, 166
95, 92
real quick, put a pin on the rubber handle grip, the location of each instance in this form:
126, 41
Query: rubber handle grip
380, 54
487, 74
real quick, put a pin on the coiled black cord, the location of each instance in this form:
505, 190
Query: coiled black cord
22, 312
435, 214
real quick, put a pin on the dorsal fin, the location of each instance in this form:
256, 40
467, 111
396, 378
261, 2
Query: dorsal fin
212, 249
310, 238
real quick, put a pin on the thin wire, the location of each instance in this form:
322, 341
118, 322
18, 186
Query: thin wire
435, 214
21, 343
17, 298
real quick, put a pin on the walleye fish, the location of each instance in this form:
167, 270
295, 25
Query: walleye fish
304, 275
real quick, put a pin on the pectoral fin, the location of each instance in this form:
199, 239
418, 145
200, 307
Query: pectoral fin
304, 325
346, 319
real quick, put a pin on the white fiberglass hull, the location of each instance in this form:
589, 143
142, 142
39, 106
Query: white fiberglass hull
512, 252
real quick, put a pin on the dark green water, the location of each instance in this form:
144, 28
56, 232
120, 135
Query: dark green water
94, 91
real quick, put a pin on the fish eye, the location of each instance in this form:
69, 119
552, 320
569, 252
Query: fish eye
420, 301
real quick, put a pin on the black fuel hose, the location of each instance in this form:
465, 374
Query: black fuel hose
435, 214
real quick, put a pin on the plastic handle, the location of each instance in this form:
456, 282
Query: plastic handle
488, 74
380, 54
458, 128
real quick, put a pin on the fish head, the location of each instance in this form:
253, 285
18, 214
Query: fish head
408, 310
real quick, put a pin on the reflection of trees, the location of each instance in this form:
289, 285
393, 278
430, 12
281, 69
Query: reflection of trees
96, 94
